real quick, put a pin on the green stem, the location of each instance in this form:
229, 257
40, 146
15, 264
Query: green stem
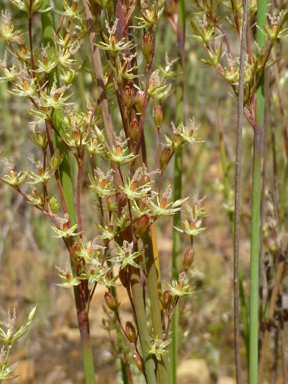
144, 336
226, 182
83, 325
152, 279
237, 275
256, 198
254, 262
178, 185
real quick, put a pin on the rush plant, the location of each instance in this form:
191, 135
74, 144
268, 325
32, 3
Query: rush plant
95, 136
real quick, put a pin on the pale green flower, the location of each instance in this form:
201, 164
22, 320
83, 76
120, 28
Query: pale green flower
64, 230
125, 255
178, 289
158, 347
66, 275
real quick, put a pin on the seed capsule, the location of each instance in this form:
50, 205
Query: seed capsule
147, 46
158, 116
110, 301
188, 258
130, 332
138, 361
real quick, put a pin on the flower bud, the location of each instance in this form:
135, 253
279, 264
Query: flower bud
141, 225
56, 160
100, 135
74, 6
54, 204
38, 138
110, 301
130, 332
37, 198
32, 314
188, 258
139, 101
24, 49
138, 361
147, 46
134, 130
158, 116
109, 203
128, 97
165, 158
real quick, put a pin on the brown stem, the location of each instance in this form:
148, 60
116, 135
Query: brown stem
31, 42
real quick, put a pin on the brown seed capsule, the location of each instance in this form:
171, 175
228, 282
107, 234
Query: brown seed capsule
130, 332
158, 116
124, 277
110, 301
134, 130
167, 300
128, 97
165, 158
138, 361
188, 258
147, 46
141, 225
139, 101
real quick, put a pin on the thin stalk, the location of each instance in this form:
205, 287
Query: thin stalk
254, 256
237, 202
178, 185
83, 324
153, 287
256, 198
226, 183
144, 336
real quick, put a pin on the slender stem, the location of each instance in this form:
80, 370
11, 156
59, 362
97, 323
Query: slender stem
237, 201
254, 261
83, 324
178, 185
31, 42
256, 198
78, 196
227, 187
57, 175
144, 336
152, 279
